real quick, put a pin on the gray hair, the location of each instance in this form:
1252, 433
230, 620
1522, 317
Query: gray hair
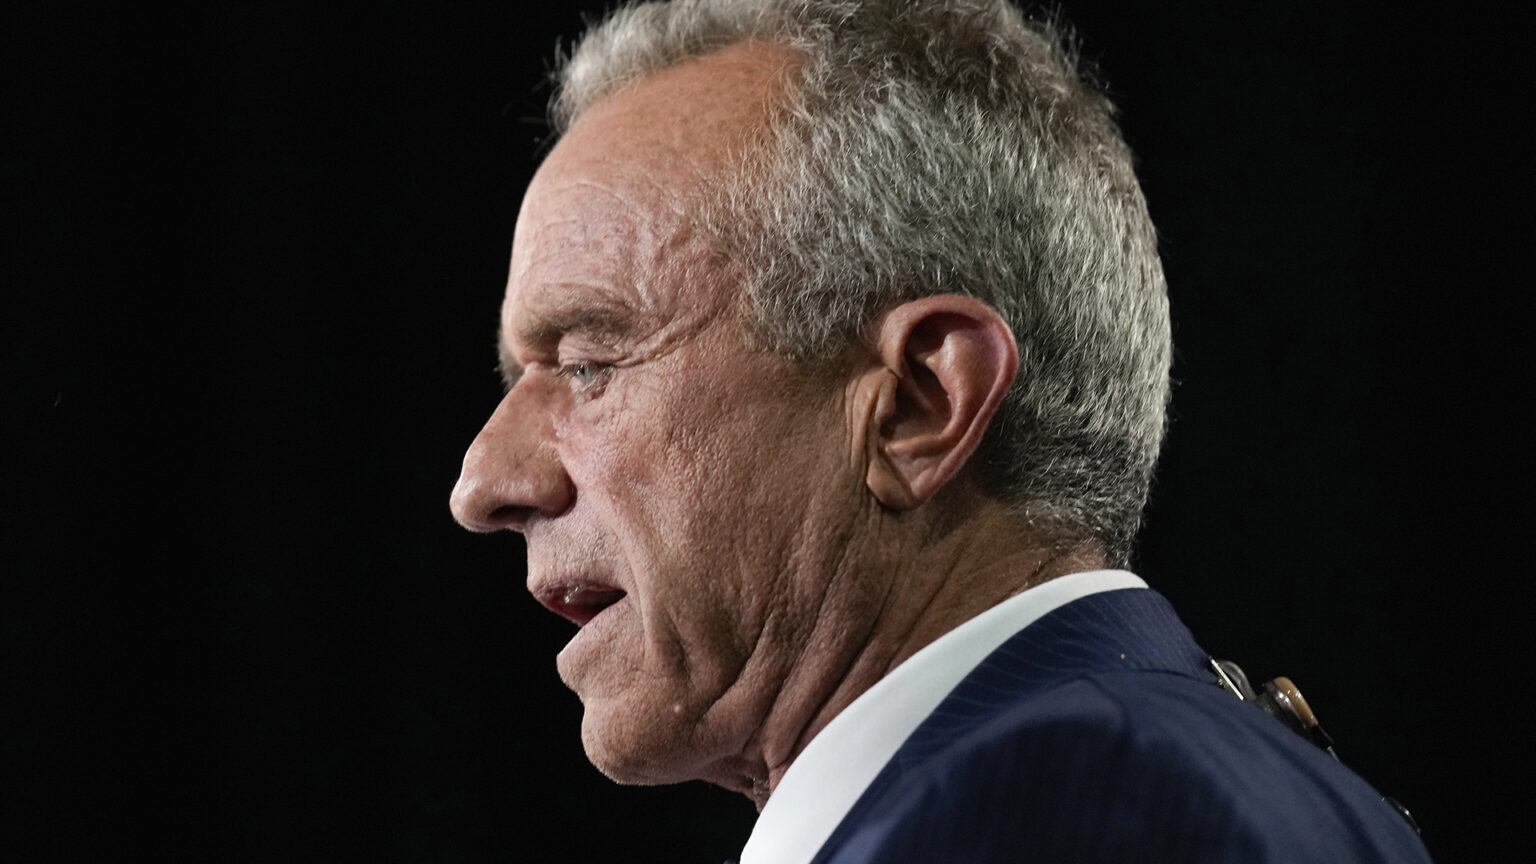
942, 146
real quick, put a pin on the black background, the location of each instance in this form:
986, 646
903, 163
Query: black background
252, 265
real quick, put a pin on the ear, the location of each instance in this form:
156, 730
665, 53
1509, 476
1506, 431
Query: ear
946, 363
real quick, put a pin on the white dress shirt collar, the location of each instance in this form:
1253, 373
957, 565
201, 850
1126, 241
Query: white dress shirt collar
828, 777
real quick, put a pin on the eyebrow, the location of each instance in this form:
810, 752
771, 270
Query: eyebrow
604, 319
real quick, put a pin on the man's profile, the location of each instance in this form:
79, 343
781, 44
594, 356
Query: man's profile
836, 347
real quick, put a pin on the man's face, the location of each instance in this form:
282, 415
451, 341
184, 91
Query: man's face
684, 498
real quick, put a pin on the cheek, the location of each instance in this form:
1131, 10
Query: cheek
706, 495
680, 482
658, 440
650, 476
625, 455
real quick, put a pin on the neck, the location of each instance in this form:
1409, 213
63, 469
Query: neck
898, 603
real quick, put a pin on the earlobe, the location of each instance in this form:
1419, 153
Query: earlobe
948, 360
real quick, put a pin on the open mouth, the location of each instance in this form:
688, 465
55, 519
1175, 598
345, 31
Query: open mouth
580, 603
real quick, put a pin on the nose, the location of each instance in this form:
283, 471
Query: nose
512, 471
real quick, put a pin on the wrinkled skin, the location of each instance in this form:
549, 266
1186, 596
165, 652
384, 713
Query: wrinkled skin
644, 448
748, 543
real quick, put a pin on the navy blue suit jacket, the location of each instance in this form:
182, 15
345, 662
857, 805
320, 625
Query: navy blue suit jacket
1098, 734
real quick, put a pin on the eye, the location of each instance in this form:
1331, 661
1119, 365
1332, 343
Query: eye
585, 373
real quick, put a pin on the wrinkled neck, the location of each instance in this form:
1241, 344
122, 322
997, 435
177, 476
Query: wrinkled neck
905, 593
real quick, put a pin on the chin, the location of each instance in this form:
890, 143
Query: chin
645, 743
630, 752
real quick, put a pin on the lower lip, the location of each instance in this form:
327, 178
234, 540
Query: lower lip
594, 627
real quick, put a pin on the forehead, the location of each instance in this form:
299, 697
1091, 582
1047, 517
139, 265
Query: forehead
608, 228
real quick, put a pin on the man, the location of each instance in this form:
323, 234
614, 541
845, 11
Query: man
836, 346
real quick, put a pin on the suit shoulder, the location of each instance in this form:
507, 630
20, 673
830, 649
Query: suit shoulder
1122, 766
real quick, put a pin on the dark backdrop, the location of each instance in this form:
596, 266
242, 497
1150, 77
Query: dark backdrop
252, 265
